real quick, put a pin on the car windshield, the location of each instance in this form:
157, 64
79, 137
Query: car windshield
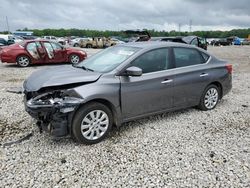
108, 59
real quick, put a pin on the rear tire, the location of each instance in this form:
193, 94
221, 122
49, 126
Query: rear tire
23, 61
209, 98
92, 123
88, 46
76, 45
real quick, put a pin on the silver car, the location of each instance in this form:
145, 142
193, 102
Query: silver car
123, 83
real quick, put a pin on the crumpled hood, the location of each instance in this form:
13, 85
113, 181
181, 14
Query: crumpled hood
58, 76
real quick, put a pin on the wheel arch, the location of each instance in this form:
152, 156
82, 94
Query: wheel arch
219, 85
73, 53
115, 113
23, 54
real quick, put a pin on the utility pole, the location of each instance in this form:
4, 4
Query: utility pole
7, 22
190, 26
179, 29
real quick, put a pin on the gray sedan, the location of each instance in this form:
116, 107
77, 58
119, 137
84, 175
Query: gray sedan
123, 83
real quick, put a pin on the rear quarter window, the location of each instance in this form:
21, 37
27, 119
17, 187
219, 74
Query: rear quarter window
187, 57
205, 56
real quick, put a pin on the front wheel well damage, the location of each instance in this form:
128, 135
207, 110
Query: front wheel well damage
106, 103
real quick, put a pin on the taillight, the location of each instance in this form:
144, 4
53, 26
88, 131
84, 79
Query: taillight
229, 68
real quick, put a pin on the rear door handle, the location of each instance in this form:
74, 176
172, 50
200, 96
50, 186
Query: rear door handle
167, 81
203, 74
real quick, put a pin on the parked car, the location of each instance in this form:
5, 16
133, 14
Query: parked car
117, 41
4, 42
29, 37
137, 35
245, 42
62, 40
192, 40
123, 83
17, 39
238, 41
76, 42
97, 42
52, 38
222, 42
6, 37
40, 51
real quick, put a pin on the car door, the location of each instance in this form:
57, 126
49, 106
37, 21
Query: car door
191, 76
33, 50
59, 52
50, 55
151, 92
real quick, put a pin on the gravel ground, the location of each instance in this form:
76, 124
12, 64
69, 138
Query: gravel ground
187, 148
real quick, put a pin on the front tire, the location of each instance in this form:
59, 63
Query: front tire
91, 123
209, 98
23, 61
74, 59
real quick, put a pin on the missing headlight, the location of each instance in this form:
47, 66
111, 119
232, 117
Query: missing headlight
57, 99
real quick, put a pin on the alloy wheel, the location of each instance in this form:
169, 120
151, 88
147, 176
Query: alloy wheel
94, 125
211, 98
74, 59
23, 61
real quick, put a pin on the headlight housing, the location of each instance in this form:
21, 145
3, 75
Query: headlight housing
56, 99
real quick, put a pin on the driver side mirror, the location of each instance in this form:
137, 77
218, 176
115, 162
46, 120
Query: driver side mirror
133, 71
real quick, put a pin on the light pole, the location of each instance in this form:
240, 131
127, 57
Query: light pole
7, 22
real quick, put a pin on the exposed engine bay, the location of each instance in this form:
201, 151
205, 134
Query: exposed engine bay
53, 110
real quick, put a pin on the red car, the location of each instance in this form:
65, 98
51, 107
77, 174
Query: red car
40, 51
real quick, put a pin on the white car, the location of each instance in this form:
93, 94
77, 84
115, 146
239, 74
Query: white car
117, 41
76, 42
7, 37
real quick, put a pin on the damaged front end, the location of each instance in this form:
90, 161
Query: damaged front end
53, 110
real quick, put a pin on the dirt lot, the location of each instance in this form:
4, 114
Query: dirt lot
187, 148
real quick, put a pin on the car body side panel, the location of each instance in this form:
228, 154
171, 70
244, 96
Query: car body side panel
107, 88
146, 94
189, 85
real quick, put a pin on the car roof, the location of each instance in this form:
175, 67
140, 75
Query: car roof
155, 44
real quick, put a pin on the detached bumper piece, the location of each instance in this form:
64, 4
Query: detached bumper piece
52, 114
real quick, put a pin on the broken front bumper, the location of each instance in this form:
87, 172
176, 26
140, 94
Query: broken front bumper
53, 117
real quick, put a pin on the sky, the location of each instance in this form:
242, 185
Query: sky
125, 14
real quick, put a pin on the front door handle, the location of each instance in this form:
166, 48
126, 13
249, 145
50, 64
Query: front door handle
167, 81
203, 74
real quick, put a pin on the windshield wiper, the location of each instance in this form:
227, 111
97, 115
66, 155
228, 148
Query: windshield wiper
83, 67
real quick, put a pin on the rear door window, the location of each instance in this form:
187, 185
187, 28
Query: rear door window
187, 57
32, 49
56, 46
